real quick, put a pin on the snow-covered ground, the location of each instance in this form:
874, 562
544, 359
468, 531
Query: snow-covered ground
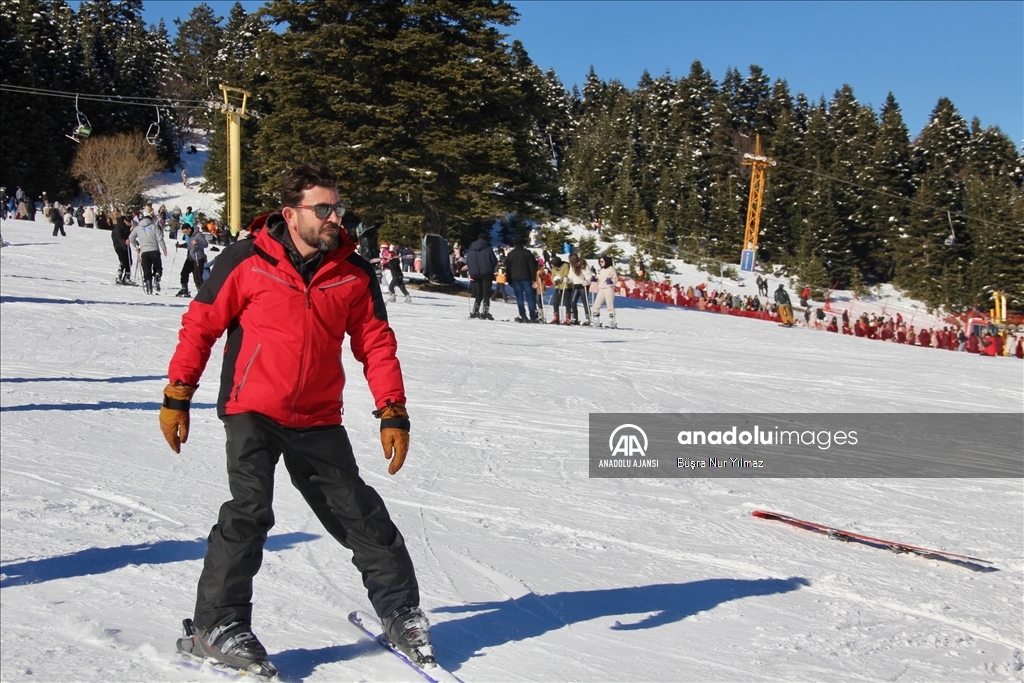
170, 191
530, 570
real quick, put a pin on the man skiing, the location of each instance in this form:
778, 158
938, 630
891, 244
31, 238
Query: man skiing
288, 298
195, 261
148, 240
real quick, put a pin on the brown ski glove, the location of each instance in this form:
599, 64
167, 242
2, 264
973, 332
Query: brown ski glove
394, 434
174, 414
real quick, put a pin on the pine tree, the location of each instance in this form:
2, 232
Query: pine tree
197, 49
927, 267
889, 175
993, 206
415, 105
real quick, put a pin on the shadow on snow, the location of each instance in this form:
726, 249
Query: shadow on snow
498, 623
112, 380
42, 300
100, 405
102, 560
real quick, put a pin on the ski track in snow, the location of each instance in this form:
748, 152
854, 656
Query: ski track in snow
529, 569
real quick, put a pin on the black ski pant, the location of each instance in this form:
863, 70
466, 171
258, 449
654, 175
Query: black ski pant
324, 470
398, 282
480, 287
152, 266
124, 256
195, 269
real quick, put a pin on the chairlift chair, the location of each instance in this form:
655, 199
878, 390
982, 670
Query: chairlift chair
83, 129
951, 240
153, 134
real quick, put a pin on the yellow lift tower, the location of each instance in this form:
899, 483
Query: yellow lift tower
758, 163
235, 113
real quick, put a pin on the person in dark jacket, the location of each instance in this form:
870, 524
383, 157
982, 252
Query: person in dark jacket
521, 271
481, 264
195, 245
287, 299
57, 218
785, 306
120, 230
397, 278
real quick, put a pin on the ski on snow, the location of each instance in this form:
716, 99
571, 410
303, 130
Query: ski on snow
967, 561
371, 627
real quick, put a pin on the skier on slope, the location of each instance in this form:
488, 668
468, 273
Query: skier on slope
397, 278
288, 298
606, 279
195, 259
148, 241
579, 280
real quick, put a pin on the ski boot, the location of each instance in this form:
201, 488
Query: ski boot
408, 299
156, 286
147, 286
614, 326
597, 320
184, 293
486, 315
391, 298
555, 320
232, 646
567, 321
408, 631
475, 313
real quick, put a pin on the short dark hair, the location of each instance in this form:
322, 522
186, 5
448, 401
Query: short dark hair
305, 177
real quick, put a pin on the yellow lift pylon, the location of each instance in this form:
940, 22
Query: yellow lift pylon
234, 113
758, 163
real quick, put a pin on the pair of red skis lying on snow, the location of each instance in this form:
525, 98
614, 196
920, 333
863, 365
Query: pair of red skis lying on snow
850, 536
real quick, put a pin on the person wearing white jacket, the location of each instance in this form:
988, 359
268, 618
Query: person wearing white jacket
606, 279
148, 240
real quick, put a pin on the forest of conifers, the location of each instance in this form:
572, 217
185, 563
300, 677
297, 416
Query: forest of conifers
436, 123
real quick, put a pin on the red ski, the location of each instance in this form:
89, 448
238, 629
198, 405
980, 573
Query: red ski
848, 536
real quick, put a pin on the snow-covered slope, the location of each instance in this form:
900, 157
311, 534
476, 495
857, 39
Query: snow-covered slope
530, 570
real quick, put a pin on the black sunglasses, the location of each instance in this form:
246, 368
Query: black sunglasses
323, 211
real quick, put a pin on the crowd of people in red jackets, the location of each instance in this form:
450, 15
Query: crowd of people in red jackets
869, 326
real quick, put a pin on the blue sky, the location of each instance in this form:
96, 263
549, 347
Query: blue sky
970, 52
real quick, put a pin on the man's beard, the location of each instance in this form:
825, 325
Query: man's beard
324, 238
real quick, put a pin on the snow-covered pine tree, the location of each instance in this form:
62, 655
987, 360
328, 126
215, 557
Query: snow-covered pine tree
926, 267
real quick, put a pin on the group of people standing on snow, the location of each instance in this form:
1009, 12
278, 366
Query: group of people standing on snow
572, 281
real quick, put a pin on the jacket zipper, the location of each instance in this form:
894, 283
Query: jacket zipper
350, 278
248, 366
302, 356
305, 335
291, 285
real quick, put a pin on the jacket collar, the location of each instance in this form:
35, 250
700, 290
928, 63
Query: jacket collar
273, 238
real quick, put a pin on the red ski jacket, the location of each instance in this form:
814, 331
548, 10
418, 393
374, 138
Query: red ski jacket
283, 353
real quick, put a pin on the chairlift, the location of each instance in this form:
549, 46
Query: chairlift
153, 134
83, 129
554, 155
951, 240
